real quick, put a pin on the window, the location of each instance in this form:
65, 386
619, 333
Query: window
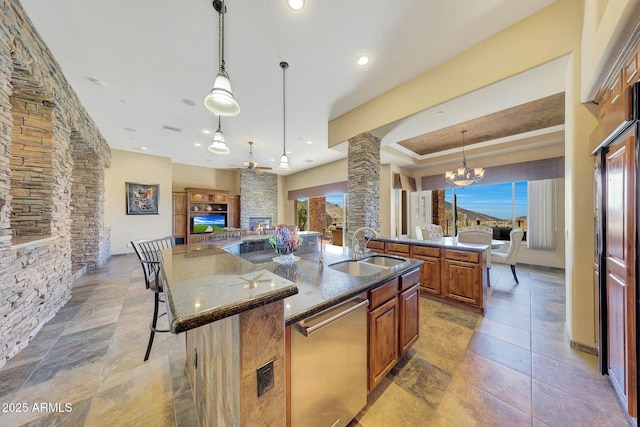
501, 206
302, 213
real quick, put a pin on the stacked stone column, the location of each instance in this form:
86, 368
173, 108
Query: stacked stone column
363, 164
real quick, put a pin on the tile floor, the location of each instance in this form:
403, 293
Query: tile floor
511, 367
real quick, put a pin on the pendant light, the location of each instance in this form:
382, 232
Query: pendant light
465, 175
220, 100
218, 146
284, 161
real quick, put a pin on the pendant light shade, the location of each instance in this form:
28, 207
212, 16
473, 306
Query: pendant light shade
464, 175
220, 100
284, 160
218, 146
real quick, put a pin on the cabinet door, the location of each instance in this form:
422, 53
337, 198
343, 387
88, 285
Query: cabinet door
383, 341
463, 281
409, 311
430, 275
233, 219
619, 272
179, 215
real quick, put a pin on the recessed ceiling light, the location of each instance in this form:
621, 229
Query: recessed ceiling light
272, 160
309, 142
142, 147
295, 4
363, 60
206, 131
197, 144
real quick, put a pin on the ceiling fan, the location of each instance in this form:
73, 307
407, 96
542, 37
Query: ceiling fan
252, 165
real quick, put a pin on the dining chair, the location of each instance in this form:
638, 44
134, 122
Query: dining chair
510, 256
480, 234
148, 252
429, 232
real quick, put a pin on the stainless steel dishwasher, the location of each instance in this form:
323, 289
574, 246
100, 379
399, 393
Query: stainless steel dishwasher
329, 366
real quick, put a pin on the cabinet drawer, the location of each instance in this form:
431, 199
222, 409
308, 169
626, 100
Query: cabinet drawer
424, 251
373, 244
383, 293
409, 279
398, 247
463, 256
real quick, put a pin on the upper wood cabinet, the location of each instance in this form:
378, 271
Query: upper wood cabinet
179, 215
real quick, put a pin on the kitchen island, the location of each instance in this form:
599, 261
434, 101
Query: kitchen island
235, 310
453, 272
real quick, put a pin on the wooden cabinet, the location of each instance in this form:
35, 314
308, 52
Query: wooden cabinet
430, 271
204, 202
409, 310
233, 207
377, 247
462, 279
457, 277
394, 319
179, 216
383, 340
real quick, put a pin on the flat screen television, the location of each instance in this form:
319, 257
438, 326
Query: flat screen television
208, 223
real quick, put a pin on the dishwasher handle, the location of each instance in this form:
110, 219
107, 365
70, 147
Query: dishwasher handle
308, 330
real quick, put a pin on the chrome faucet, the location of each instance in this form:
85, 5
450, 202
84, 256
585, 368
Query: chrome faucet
366, 234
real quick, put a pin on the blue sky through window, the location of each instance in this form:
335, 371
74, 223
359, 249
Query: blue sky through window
494, 200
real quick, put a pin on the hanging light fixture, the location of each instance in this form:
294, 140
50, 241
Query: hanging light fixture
218, 146
465, 175
220, 100
284, 161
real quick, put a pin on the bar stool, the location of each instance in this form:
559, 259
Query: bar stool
148, 252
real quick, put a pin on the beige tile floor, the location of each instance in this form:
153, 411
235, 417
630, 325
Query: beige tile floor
511, 367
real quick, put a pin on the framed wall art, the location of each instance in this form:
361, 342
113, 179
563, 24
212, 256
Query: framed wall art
142, 199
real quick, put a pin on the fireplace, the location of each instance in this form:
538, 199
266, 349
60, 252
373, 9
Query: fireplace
257, 223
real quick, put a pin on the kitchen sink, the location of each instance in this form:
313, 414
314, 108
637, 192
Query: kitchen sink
357, 268
384, 261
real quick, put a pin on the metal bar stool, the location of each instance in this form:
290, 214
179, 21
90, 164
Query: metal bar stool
148, 252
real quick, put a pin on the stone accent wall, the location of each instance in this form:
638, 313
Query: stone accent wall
258, 197
438, 208
317, 214
364, 182
37, 168
87, 204
31, 167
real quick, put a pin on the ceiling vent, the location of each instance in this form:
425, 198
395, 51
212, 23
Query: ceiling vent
172, 128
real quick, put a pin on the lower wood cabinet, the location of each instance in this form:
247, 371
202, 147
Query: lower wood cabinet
408, 310
394, 323
383, 340
462, 277
430, 271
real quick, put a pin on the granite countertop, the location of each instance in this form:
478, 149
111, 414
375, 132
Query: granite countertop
444, 242
205, 283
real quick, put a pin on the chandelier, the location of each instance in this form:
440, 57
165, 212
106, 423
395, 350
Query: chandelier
465, 175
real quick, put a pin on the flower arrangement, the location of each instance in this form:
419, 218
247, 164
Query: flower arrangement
285, 240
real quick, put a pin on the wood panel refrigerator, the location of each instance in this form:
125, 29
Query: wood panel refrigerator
615, 262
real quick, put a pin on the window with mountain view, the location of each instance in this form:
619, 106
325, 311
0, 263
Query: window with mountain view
498, 205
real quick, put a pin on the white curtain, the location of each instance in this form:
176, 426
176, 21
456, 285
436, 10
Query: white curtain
541, 224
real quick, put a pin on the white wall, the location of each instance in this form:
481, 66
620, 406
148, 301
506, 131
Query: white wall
126, 167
